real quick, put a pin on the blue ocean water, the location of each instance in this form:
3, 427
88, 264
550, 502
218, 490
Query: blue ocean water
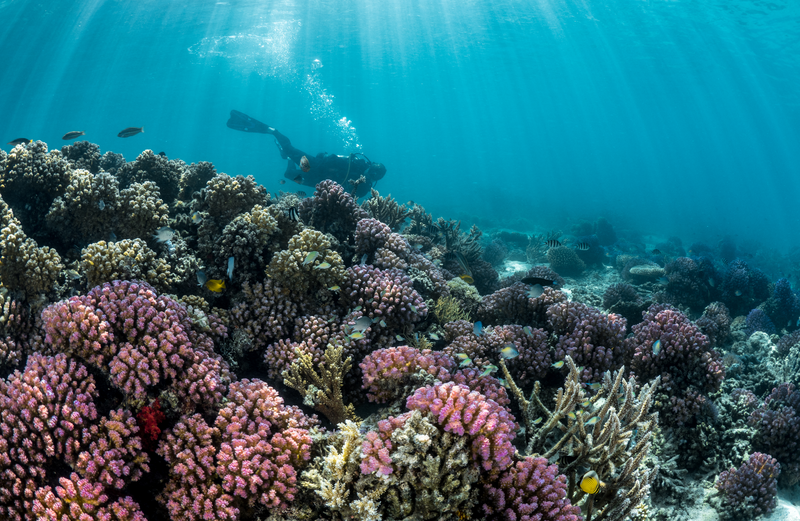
667, 117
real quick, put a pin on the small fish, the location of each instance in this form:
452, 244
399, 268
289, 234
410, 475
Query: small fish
101, 205
590, 483
215, 285
357, 308
586, 403
552, 243
538, 420
312, 255
162, 154
112, 237
592, 421
305, 166
662, 280
467, 279
477, 328
558, 365
572, 416
300, 193
505, 384
130, 131
462, 356
527, 330
197, 217
413, 308
539, 280
73, 134
73, 275
164, 234
90, 262
322, 266
298, 178
358, 335
399, 338
656, 347
434, 336
230, 268
582, 246
738, 293
201, 278
282, 181
363, 259
20, 141
711, 282
489, 370
656, 251
596, 386
465, 363
382, 323
536, 291
362, 323
293, 214
509, 351
334, 288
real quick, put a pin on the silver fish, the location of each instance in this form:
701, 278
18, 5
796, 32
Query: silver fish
202, 278
230, 267
362, 324
164, 234
130, 131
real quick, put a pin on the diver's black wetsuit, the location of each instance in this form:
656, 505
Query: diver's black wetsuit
323, 165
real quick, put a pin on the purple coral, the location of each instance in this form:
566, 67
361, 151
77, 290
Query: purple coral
778, 424
141, 338
783, 307
530, 490
332, 210
743, 287
750, 491
592, 338
684, 358
80, 499
715, 323
266, 313
757, 320
387, 372
371, 234
384, 294
689, 282
469, 413
513, 305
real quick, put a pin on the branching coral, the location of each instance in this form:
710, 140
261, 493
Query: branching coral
308, 263
125, 260
332, 210
87, 211
141, 211
152, 167
386, 209
565, 261
322, 388
225, 197
609, 434
750, 491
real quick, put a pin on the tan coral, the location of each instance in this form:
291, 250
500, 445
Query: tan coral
290, 269
142, 211
87, 210
25, 267
129, 259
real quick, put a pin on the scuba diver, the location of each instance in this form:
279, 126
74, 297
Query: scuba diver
314, 169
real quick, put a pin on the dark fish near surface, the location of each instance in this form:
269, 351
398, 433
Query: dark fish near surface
298, 178
539, 280
282, 181
552, 243
162, 154
656, 251
74, 134
305, 166
582, 246
130, 131
19, 141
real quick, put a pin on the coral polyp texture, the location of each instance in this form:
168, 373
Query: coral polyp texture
154, 316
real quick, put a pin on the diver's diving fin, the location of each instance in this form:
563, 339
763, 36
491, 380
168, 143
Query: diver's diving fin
243, 122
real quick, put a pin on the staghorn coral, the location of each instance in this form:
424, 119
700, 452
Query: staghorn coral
155, 168
386, 209
322, 389
292, 268
448, 309
749, 491
125, 260
614, 446
87, 211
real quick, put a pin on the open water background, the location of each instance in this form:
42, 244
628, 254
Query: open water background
667, 117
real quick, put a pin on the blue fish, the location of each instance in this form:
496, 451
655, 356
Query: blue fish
656, 347
230, 267
478, 328
202, 278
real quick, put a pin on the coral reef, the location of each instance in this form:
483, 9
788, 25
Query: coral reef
565, 261
777, 422
749, 491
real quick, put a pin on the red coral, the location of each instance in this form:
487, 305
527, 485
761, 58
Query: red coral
149, 418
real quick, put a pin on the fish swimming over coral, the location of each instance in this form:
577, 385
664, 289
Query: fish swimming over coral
215, 285
20, 141
74, 134
539, 280
130, 131
164, 234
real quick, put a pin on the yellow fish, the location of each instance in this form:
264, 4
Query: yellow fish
592, 421
558, 365
358, 335
215, 285
467, 279
509, 351
591, 483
